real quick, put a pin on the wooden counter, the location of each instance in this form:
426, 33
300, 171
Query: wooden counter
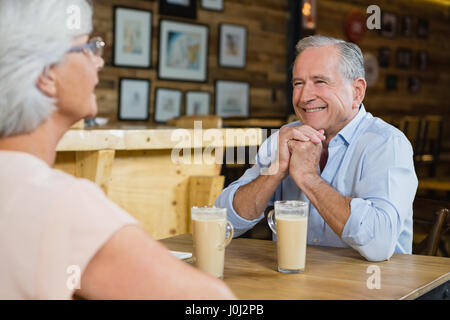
141, 170
255, 123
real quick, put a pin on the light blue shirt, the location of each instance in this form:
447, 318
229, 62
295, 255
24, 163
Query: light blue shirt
369, 161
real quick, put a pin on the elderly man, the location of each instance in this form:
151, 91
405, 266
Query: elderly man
355, 170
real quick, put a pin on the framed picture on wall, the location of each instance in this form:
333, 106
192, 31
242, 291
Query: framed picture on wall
197, 103
179, 8
388, 24
422, 28
232, 98
167, 104
422, 60
132, 37
413, 84
384, 57
133, 99
391, 82
215, 5
407, 26
232, 45
404, 58
183, 51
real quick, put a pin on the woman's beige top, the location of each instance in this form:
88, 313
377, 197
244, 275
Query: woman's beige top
51, 225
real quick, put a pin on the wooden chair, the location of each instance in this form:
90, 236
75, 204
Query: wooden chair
429, 147
203, 191
411, 127
208, 121
433, 215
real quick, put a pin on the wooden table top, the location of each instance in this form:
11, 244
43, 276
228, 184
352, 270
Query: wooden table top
331, 273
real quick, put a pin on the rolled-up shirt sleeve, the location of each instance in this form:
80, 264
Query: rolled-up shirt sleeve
266, 154
382, 199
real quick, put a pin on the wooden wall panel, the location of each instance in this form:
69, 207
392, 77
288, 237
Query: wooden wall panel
266, 22
434, 95
266, 70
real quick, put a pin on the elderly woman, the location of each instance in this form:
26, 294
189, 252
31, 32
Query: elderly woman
54, 227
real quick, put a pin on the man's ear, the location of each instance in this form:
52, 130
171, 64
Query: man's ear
359, 91
47, 82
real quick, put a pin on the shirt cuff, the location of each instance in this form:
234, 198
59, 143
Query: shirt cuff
355, 232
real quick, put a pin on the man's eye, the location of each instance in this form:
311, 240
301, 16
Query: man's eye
320, 82
297, 83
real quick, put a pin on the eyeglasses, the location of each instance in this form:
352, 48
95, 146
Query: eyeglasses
94, 47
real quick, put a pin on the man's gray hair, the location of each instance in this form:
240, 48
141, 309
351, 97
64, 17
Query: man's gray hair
34, 35
352, 61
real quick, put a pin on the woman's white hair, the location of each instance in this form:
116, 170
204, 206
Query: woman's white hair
352, 61
34, 35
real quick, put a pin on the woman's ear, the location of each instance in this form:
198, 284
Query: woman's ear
47, 82
359, 91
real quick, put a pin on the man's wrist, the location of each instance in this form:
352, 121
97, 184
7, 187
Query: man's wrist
274, 172
308, 181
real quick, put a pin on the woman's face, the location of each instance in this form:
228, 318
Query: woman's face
75, 80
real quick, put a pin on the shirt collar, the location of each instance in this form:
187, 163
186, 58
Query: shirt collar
349, 130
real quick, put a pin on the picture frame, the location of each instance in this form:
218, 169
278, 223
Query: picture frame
422, 60
391, 82
132, 38
403, 58
167, 104
213, 5
407, 26
232, 99
422, 28
414, 84
183, 51
179, 8
388, 24
197, 103
134, 97
384, 57
232, 45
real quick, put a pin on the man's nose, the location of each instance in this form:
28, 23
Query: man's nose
308, 94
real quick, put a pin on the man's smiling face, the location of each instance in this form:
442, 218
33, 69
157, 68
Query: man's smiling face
322, 97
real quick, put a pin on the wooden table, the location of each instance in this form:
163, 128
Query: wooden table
140, 169
331, 273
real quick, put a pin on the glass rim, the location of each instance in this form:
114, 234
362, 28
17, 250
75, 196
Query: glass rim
293, 203
209, 208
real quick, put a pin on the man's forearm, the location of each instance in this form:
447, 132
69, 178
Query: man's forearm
251, 199
332, 206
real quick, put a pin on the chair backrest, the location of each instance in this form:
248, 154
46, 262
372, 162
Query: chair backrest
208, 121
434, 214
431, 134
203, 191
411, 127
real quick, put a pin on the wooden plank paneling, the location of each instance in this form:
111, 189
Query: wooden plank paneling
266, 70
434, 95
266, 23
